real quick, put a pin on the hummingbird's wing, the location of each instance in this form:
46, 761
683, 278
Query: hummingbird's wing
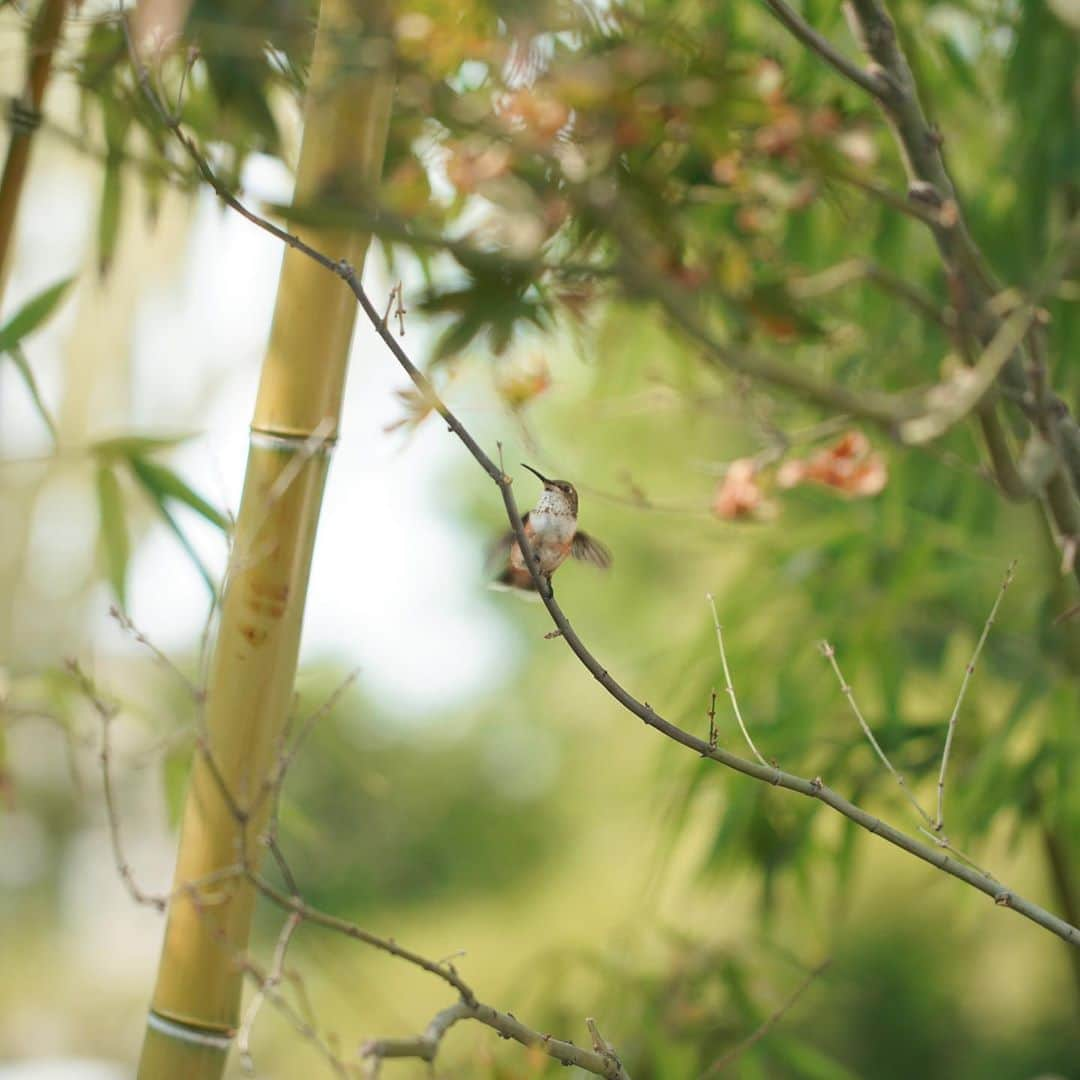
589, 550
499, 551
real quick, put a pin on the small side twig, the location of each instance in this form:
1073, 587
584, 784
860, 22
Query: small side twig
272, 784
872, 82
927, 829
266, 987
845, 688
399, 310
602, 1060
301, 1024
107, 713
770, 1022
727, 684
129, 627
939, 821
858, 270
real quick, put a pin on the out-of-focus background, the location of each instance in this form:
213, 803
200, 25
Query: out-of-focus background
475, 793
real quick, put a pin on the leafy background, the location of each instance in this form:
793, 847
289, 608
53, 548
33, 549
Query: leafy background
585, 867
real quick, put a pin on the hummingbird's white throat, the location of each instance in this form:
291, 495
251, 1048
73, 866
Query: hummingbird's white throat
554, 502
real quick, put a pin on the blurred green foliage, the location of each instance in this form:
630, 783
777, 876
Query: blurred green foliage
746, 163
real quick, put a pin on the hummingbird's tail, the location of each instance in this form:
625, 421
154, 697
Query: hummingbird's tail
514, 580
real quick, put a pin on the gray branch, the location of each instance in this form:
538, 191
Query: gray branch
601, 1061
810, 788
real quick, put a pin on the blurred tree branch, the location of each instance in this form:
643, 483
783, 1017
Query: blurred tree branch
1021, 381
873, 82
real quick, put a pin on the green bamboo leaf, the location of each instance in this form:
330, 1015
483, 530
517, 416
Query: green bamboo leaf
22, 365
109, 214
325, 214
31, 315
130, 446
960, 65
456, 338
175, 769
114, 535
117, 119
162, 483
185, 543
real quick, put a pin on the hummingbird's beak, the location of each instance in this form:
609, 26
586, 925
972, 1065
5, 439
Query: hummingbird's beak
535, 473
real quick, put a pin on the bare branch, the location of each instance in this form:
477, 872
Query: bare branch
932, 216
296, 904
855, 270
721, 1063
107, 713
424, 1046
271, 786
845, 688
815, 788
303, 1025
873, 83
727, 685
266, 987
129, 627
927, 828
960, 400
602, 1046
939, 822
884, 410
601, 1061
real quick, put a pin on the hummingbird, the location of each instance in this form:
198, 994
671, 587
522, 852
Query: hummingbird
553, 533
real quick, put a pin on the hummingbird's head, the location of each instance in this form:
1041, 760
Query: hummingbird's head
559, 496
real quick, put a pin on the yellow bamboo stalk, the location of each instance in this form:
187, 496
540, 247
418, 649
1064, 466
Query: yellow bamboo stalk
196, 1001
24, 118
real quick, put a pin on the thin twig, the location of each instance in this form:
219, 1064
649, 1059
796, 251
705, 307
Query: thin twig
871, 82
272, 784
770, 1022
601, 1061
845, 688
727, 683
266, 987
425, 1046
939, 823
939, 838
301, 1024
390, 304
107, 713
399, 310
129, 627
855, 270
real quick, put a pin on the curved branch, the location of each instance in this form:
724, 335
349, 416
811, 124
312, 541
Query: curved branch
600, 1062
814, 789
870, 81
811, 788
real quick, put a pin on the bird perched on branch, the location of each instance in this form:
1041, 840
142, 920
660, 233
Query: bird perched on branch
551, 528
